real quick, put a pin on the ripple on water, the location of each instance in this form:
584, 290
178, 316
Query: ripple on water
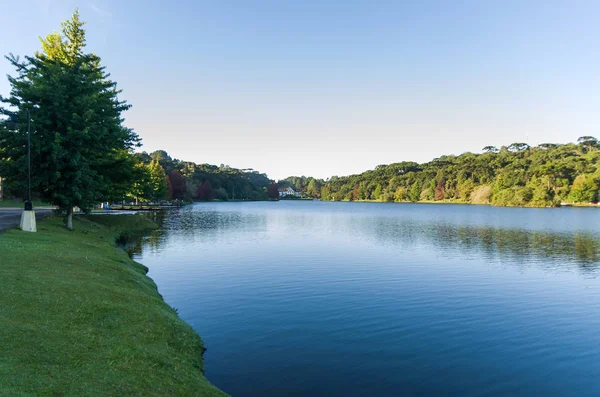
297, 298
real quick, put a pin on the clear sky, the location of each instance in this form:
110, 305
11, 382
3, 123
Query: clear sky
324, 87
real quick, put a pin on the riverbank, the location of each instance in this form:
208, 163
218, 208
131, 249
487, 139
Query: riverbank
461, 202
79, 317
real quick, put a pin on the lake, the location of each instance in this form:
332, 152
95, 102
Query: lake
302, 298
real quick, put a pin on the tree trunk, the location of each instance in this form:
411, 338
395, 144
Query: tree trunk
70, 218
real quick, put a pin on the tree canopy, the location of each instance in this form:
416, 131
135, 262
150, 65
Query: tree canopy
80, 149
514, 175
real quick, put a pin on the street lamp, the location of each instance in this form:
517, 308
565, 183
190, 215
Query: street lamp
28, 214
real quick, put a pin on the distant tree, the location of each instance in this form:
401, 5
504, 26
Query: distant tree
440, 190
325, 193
164, 159
588, 142
273, 191
542, 194
205, 191
220, 194
465, 188
377, 193
584, 189
313, 189
400, 194
430, 195
157, 181
415, 192
546, 146
362, 192
490, 149
518, 147
169, 188
142, 186
177, 184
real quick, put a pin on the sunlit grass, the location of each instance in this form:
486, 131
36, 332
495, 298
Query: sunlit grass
79, 317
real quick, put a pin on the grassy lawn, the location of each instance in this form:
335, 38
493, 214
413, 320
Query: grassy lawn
78, 317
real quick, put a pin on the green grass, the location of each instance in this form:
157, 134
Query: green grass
78, 317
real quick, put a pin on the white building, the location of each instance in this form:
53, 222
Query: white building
286, 192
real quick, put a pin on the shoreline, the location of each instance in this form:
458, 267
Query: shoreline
81, 317
582, 205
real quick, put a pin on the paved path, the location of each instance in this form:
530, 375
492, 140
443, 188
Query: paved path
11, 217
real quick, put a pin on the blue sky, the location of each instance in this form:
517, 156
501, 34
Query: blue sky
336, 87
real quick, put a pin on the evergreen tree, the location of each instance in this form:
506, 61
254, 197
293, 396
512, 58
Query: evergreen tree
325, 195
415, 192
377, 193
80, 149
158, 181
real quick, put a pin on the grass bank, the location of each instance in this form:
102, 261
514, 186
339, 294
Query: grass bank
78, 317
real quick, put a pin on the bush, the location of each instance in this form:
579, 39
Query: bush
401, 194
513, 197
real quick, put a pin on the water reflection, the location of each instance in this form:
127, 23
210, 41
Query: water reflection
514, 245
209, 224
386, 299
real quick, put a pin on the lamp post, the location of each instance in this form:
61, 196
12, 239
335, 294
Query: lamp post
28, 214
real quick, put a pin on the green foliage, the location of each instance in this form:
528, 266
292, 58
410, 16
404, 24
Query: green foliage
465, 188
325, 193
314, 188
415, 192
517, 174
542, 195
157, 181
401, 194
514, 196
238, 184
80, 149
377, 193
584, 189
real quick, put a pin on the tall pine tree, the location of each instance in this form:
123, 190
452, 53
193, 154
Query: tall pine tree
80, 149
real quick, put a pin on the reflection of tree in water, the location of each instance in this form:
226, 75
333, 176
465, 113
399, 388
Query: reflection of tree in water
186, 223
548, 249
513, 244
134, 246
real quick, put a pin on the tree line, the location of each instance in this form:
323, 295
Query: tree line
161, 177
515, 175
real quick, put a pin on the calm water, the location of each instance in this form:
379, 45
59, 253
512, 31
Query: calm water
361, 299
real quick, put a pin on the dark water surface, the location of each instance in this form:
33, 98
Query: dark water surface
361, 299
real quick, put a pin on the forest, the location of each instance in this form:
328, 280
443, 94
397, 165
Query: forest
545, 175
162, 178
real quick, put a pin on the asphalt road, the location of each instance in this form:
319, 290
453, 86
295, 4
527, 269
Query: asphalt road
11, 217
